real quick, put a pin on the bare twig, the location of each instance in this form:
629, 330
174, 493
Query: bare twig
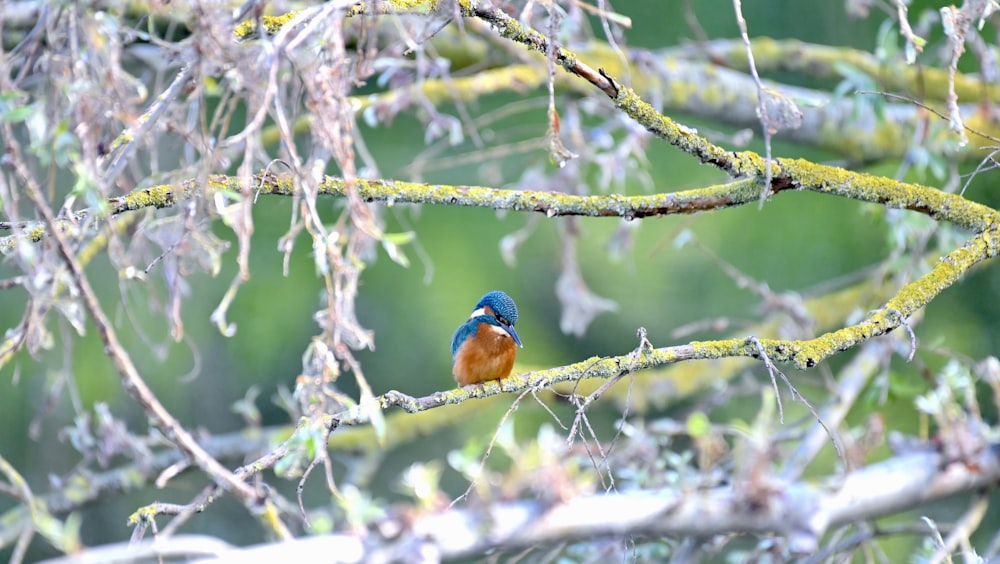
14, 282
489, 448
187, 511
511, 29
767, 128
772, 370
905, 324
301, 486
956, 24
930, 109
853, 379
581, 420
131, 380
964, 528
130, 139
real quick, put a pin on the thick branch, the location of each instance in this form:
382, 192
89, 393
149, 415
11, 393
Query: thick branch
799, 511
788, 174
737, 164
802, 353
826, 61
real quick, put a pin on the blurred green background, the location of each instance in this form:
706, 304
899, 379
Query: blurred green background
795, 242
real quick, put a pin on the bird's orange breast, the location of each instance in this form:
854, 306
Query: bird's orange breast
487, 355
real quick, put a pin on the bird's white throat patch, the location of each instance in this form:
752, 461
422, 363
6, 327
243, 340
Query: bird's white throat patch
499, 330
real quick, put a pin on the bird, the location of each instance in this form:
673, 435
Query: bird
482, 348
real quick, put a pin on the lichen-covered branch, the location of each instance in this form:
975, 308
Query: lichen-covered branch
789, 175
633, 105
84, 488
826, 61
685, 81
801, 353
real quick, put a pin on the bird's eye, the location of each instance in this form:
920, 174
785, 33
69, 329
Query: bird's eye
503, 320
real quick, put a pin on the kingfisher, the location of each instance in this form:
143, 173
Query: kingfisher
483, 347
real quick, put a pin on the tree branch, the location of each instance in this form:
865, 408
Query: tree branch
790, 174
823, 61
799, 511
132, 382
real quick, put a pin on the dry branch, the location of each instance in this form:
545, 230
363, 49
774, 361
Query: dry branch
800, 512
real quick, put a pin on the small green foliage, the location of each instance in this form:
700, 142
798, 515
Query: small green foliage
12, 110
321, 522
65, 146
907, 229
887, 41
465, 461
246, 407
372, 411
308, 439
422, 482
78, 488
69, 541
897, 386
698, 425
359, 508
854, 80
392, 243
86, 187
955, 382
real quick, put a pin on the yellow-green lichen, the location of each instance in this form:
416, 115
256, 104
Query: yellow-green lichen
123, 138
160, 196
680, 91
145, 514
662, 126
35, 234
720, 349
886, 191
271, 24
414, 6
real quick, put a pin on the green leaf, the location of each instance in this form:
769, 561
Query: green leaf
391, 242
698, 425
373, 411
16, 114
12, 110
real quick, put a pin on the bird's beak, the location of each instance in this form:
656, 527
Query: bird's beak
510, 331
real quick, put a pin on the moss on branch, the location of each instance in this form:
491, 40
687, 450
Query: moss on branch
826, 61
803, 354
788, 175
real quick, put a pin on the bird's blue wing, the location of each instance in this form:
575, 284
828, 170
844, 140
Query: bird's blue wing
465, 331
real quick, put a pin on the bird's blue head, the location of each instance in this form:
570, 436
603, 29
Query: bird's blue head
500, 305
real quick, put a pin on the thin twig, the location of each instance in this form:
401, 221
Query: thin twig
132, 382
489, 449
764, 115
130, 139
772, 370
909, 331
853, 379
964, 528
